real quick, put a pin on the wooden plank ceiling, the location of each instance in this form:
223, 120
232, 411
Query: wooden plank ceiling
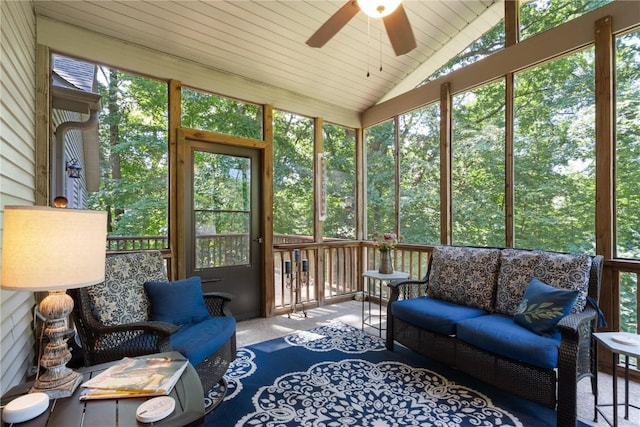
264, 41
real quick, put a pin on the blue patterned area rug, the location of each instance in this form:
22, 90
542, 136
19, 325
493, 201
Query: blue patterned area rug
337, 375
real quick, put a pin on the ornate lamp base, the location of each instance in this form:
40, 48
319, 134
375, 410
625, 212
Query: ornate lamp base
63, 386
58, 380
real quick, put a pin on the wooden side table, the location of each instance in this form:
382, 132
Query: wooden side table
370, 292
71, 412
623, 344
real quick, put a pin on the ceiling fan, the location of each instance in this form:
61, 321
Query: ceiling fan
392, 13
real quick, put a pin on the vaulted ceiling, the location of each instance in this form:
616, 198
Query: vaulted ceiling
264, 41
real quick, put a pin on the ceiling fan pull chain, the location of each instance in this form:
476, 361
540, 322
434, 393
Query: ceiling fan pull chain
380, 45
368, 43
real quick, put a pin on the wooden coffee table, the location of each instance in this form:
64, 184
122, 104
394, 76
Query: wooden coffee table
71, 412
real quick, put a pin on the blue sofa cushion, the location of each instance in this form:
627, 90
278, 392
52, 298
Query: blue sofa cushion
199, 340
179, 303
543, 306
433, 314
499, 334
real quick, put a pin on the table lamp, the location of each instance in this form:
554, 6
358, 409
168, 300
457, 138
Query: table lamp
48, 249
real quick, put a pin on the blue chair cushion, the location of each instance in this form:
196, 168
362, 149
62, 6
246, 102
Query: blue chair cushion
499, 334
433, 314
199, 340
179, 303
543, 306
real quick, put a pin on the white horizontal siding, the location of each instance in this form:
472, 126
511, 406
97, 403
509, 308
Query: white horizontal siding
17, 172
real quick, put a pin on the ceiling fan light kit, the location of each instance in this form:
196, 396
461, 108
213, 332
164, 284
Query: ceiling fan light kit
395, 19
378, 8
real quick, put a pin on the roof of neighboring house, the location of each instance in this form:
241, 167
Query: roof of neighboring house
74, 74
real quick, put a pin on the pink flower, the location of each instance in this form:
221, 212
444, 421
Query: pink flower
385, 241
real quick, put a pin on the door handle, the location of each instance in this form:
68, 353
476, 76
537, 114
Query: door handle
258, 240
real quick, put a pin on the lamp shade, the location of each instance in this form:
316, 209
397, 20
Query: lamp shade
46, 248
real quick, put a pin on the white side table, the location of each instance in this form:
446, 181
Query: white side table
375, 291
622, 343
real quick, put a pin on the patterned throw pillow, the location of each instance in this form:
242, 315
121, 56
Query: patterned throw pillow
543, 306
516, 271
121, 297
566, 271
464, 275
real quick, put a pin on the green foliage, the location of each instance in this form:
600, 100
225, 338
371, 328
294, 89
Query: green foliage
419, 139
222, 193
379, 143
478, 166
554, 155
540, 15
292, 174
340, 154
205, 111
628, 145
133, 154
628, 171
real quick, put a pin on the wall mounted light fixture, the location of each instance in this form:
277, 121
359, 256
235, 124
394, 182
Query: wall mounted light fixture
73, 168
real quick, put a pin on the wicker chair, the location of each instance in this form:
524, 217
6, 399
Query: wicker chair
112, 318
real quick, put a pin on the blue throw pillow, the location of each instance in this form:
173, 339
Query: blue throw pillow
179, 303
543, 306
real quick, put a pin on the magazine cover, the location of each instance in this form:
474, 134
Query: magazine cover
135, 377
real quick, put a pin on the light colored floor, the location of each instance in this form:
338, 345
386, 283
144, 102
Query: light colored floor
258, 330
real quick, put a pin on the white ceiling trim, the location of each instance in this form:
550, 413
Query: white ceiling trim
469, 34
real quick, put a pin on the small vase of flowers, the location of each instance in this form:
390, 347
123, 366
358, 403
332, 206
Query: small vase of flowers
385, 242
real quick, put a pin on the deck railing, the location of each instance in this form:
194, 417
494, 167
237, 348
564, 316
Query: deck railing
116, 244
336, 266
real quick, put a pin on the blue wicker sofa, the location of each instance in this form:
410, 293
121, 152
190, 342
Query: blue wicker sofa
486, 312
137, 311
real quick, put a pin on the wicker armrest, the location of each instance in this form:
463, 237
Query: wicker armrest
571, 324
218, 303
153, 326
405, 289
106, 343
575, 360
401, 283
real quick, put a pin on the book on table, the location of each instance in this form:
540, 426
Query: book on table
135, 377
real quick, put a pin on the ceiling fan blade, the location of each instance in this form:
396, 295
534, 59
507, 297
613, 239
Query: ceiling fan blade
399, 30
334, 24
